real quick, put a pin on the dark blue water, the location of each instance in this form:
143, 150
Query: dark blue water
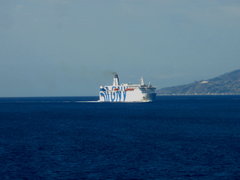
173, 138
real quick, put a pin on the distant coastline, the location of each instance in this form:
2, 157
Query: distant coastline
226, 84
199, 94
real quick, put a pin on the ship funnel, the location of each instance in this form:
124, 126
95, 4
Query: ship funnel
115, 80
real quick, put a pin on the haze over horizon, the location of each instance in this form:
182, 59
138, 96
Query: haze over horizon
70, 47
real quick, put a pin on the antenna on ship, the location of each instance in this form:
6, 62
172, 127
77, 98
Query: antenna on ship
115, 80
149, 84
141, 81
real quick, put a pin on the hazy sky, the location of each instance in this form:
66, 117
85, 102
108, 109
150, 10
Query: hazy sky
70, 47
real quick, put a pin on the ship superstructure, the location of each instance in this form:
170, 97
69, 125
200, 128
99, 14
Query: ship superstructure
127, 92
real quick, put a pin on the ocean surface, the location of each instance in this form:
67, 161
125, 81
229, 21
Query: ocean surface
176, 137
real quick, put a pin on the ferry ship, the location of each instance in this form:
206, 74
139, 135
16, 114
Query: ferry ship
127, 92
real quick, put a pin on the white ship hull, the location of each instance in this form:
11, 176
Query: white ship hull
127, 92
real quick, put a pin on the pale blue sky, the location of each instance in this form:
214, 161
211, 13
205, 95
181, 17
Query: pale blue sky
70, 47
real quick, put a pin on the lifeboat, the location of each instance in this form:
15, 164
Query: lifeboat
129, 89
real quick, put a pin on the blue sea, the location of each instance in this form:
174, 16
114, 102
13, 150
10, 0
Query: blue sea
176, 137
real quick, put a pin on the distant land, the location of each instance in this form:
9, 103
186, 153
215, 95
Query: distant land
226, 84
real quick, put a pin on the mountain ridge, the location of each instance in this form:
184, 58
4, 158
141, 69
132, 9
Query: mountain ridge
225, 84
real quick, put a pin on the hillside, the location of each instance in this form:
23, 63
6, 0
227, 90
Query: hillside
225, 84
